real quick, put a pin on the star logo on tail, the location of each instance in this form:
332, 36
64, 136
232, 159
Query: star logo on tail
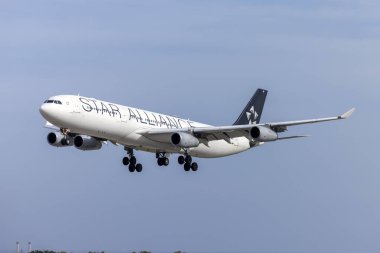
252, 116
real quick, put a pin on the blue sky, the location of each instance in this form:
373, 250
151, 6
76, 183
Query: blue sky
200, 60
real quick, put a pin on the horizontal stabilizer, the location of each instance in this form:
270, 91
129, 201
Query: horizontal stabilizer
293, 137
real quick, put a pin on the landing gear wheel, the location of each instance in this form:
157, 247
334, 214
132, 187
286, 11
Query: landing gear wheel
186, 166
188, 159
181, 159
194, 166
132, 167
133, 160
163, 161
125, 161
139, 167
65, 142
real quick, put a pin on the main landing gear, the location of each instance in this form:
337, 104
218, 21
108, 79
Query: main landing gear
162, 159
187, 163
131, 160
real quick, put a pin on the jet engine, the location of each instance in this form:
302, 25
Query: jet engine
184, 140
84, 142
264, 134
57, 139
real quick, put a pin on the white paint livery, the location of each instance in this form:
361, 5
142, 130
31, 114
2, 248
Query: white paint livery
88, 122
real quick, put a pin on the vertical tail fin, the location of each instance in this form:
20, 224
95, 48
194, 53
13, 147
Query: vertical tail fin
253, 110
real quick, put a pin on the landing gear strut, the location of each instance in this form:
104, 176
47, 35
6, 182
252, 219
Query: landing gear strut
131, 160
187, 163
66, 140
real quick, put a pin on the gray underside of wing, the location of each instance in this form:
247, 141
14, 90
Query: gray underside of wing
209, 133
227, 132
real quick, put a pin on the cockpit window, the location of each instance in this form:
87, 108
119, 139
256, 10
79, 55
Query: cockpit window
53, 102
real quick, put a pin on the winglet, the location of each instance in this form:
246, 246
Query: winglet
347, 114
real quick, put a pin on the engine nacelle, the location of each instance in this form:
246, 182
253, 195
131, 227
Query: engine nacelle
184, 140
84, 142
57, 139
264, 134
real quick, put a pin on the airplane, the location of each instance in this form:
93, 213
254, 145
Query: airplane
87, 123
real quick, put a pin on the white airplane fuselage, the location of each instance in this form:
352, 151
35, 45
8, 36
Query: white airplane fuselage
121, 124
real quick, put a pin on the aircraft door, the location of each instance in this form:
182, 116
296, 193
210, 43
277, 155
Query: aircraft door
124, 117
76, 108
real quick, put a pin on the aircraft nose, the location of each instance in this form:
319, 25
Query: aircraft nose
45, 110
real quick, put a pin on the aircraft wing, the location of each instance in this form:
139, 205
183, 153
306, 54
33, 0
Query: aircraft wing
282, 126
227, 132
51, 126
